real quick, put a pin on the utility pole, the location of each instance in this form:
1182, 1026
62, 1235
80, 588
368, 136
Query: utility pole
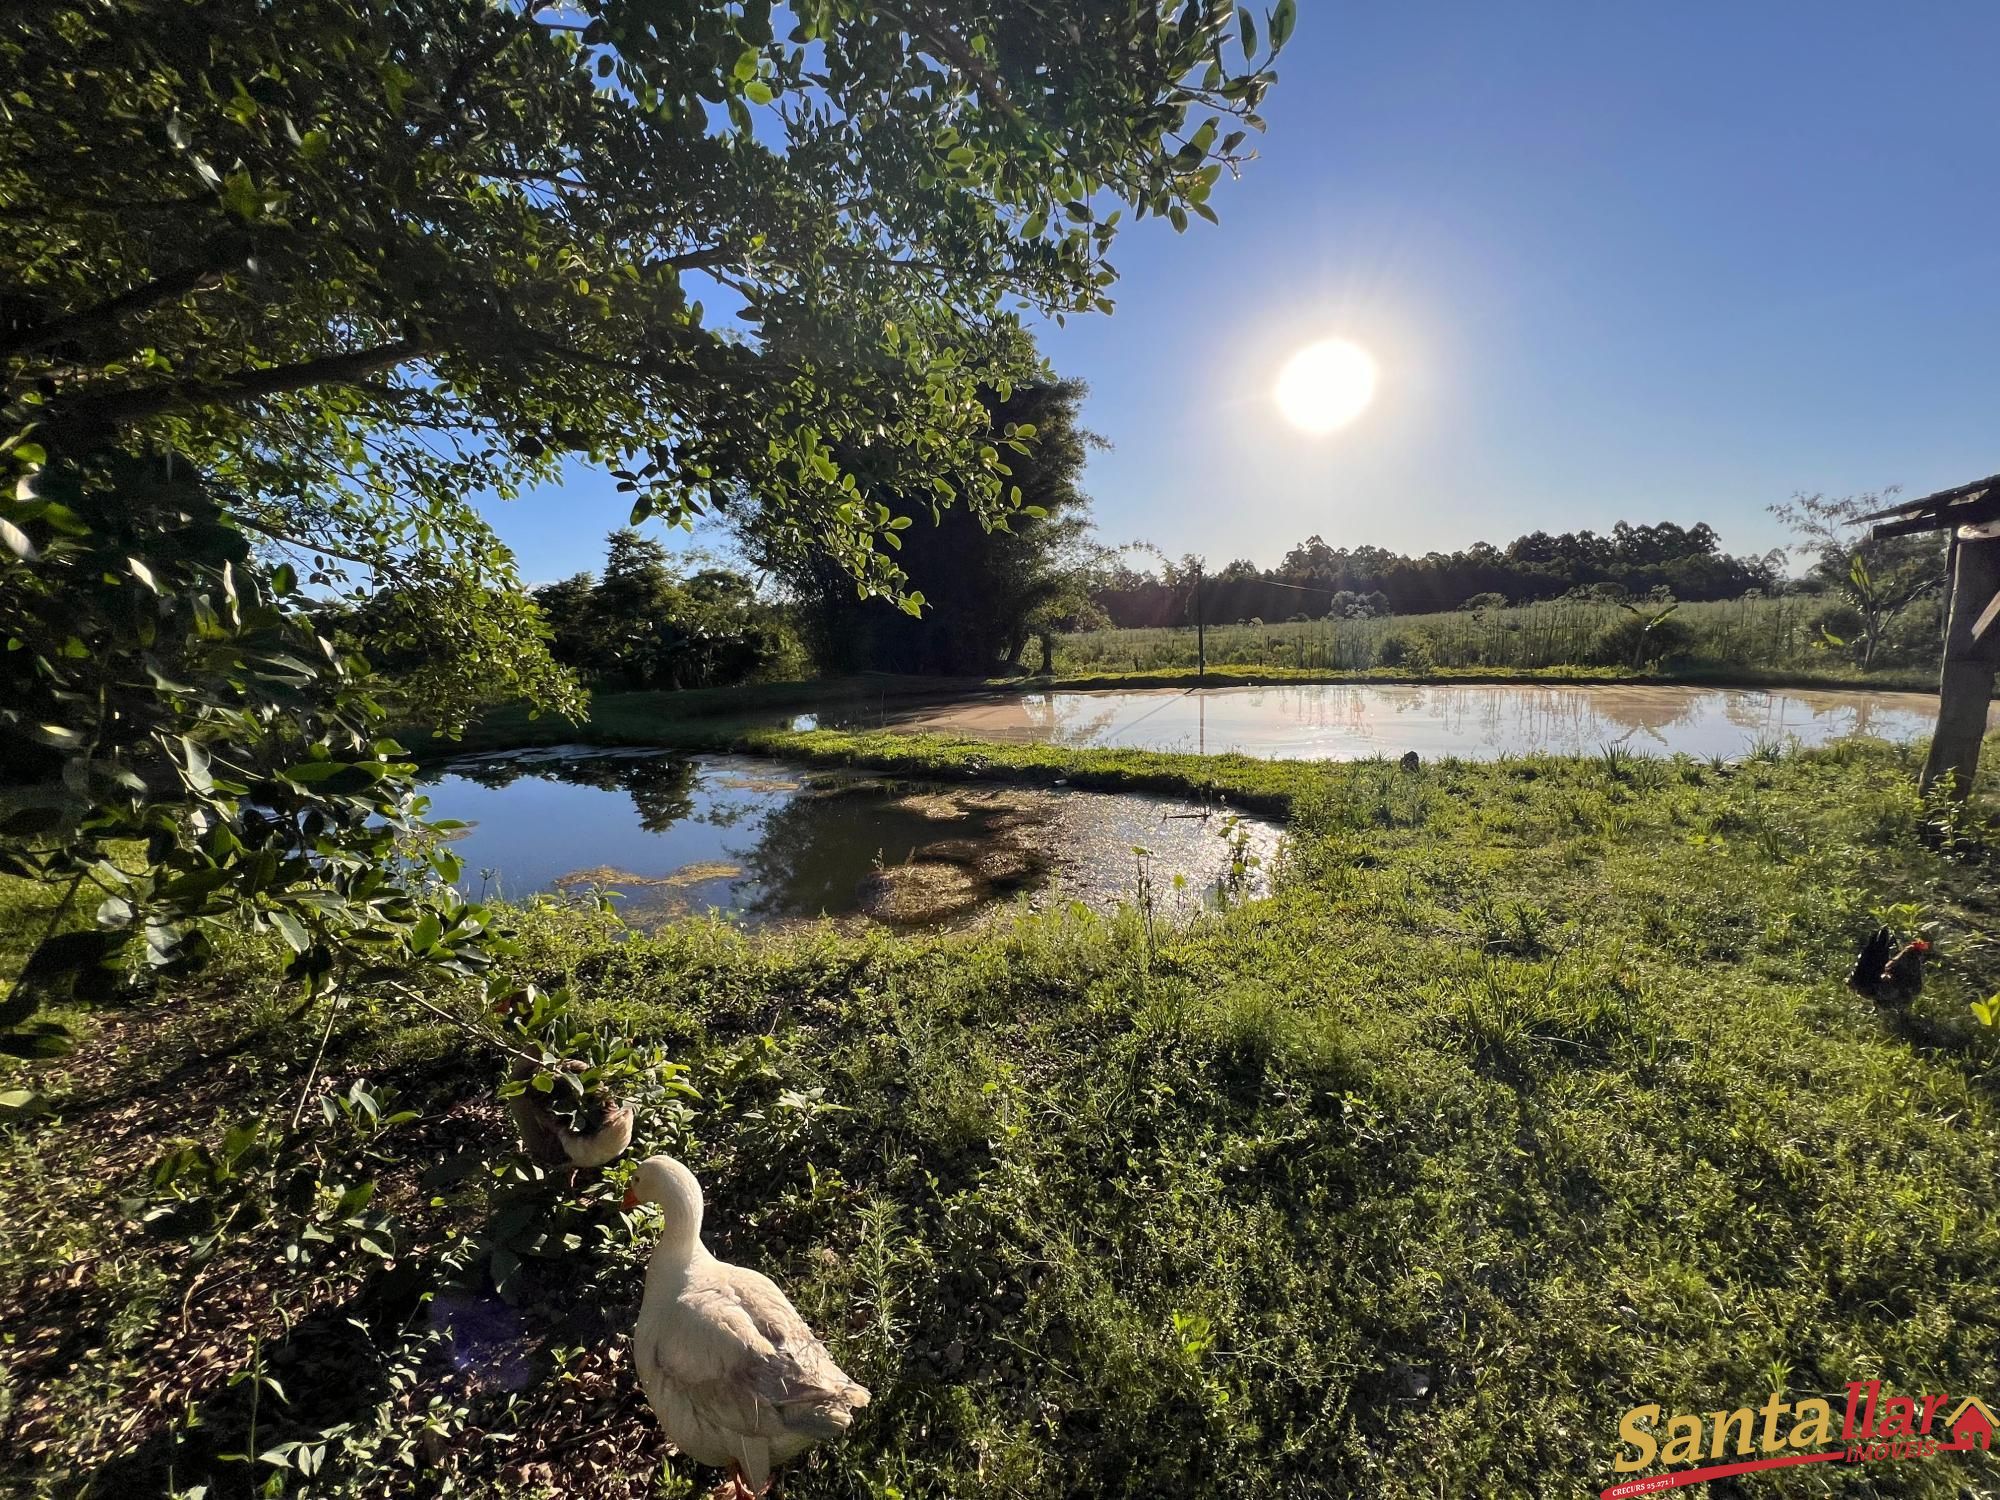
1200, 632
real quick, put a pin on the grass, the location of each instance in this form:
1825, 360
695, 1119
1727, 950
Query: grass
1533, 1093
1737, 640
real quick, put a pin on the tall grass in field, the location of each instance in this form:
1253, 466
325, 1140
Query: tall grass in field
1752, 633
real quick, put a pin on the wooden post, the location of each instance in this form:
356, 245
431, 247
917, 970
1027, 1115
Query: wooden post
1971, 652
1200, 632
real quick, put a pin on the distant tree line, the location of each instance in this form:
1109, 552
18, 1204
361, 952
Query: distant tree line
1315, 579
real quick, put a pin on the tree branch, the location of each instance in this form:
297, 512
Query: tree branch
198, 278
304, 543
946, 45
124, 407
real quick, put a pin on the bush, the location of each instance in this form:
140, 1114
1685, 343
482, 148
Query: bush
1627, 642
1838, 619
1412, 653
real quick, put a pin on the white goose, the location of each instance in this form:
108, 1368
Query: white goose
735, 1376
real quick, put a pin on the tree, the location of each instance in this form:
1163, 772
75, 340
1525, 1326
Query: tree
987, 587
363, 262
1881, 578
294, 284
565, 604
645, 626
634, 606
198, 757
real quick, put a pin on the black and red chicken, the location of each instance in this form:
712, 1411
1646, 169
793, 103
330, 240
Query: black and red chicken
1886, 973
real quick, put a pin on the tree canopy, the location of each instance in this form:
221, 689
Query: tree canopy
286, 290
363, 261
990, 583
645, 625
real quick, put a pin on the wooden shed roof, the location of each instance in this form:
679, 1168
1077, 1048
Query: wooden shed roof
1962, 505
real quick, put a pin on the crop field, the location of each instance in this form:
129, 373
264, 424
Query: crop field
1749, 634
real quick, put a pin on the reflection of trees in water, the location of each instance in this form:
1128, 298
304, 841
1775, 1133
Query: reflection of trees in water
1074, 718
661, 786
727, 805
1511, 718
721, 812
812, 852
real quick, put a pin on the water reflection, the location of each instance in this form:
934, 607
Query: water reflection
1321, 721
661, 787
769, 843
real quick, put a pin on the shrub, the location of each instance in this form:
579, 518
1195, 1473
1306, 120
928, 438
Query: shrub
1413, 653
1628, 642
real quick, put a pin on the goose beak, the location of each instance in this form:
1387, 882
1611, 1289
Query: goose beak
631, 1199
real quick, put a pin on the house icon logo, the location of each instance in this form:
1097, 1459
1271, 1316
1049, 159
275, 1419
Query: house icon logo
1971, 1426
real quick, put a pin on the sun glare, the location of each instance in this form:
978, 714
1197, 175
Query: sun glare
1326, 385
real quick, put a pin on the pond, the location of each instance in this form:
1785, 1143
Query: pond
1319, 721
767, 843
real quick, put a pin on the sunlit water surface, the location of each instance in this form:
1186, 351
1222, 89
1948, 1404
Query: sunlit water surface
1317, 721
767, 843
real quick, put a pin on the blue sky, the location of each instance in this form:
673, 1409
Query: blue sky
1612, 262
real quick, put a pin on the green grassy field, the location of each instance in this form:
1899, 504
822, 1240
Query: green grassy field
1726, 638
1532, 1094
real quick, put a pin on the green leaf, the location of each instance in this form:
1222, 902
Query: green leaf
1282, 21
313, 771
240, 196
292, 930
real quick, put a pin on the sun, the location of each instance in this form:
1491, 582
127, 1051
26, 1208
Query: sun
1326, 385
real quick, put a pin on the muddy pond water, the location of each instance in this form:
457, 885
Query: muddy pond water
766, 843
1317, 721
